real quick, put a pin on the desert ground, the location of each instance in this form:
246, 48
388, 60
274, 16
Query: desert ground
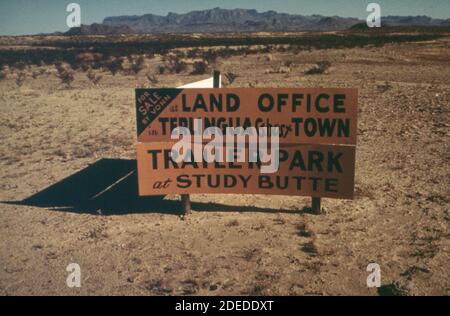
230, 244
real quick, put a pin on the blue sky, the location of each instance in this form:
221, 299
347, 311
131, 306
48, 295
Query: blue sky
42, 16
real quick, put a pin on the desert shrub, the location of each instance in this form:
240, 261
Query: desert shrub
175, 64
96, 65
161, 69
280, 49
73, 65
38, 73
288, 63
3, 75
90, 75
382, 88
129, 57
246, 50
138, 65
114, 65
180, 54
200, 68
295, 49
230, 77
21, 76
59, 66
20, 65
193, 53
393, 289
210, 56
226, 52
266, 49
85, 66
95, 79
66, 76
324, 64
179, 66
319, 68
152, 79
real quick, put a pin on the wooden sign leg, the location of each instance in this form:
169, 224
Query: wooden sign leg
185, 198
316, 205
216, 79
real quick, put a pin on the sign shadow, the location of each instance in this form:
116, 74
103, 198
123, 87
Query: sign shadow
109, 187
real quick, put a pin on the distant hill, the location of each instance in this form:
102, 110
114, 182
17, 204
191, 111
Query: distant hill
99, 29
237, 20
420, 20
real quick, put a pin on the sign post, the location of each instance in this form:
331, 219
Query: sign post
315, 207
185, 198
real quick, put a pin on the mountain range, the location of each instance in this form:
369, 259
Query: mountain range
237, 20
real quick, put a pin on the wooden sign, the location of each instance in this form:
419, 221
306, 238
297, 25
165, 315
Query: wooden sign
308, 170
304, 116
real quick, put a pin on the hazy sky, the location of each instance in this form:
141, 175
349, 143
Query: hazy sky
44, 16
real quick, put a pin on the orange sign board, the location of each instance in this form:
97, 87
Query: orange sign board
304, 169
303, 115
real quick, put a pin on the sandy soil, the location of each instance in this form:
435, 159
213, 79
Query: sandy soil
232, 244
